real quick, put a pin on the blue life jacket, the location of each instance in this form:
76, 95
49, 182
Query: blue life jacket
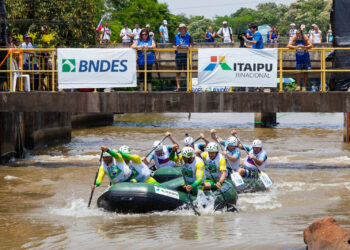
302, 56
182, 40
141, 54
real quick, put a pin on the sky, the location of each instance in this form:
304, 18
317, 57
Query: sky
211, 8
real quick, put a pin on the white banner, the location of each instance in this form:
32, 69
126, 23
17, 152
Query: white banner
96, 68
237, 67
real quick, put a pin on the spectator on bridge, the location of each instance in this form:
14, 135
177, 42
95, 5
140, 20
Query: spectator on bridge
16, 43
126, 34
145, 41
249, 34
274, 36
225, 33
105, 36
303, 28
316, 35
27, 44
301, 42
268, 35
163, 31
209, 35
329, 35
182, 41
257, 42
311, 31
291, 31
136, 32
151, 34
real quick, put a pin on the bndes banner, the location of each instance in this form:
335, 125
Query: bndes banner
237, 67
96, 68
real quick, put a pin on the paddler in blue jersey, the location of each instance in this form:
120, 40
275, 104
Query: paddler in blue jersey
198, 147
256, 156
161, 153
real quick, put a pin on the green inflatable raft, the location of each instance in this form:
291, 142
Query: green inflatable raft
129, 197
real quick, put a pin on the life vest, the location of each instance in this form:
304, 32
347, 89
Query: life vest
190, 170
117, 171
212, 167
163, 160
140, 171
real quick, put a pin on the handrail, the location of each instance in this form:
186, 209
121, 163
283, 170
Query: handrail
189, 70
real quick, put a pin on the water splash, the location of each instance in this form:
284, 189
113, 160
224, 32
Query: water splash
9, 177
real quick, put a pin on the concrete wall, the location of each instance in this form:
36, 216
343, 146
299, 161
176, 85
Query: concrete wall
140, 102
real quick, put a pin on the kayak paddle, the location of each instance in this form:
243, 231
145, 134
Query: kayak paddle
92, 191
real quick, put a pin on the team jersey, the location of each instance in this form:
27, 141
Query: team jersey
140, 172
214, 167
249, 163
117, 171
234, 165
193, 172
162, 160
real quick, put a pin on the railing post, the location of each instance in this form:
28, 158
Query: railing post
324, 79
11, 72
53, 70
191, 64
281, 69
145, 69
187, 71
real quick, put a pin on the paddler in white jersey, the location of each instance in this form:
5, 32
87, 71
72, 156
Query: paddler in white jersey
198, 147
161, 153
256, 156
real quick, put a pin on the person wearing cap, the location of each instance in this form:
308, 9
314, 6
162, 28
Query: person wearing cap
248, 33
257, 42
105, 34
225, 33
136, 32
292, 31
27, 44
209, 35
302, 28
114, 166
140, 172
301, 42
126, 34
215, 167
162, 154
182, 40
151, 34
163, 31
256, 157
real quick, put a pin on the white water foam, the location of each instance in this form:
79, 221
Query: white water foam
301, 158
9, 177
259, 201
63, 158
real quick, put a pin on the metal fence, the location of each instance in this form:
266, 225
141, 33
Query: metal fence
41, 66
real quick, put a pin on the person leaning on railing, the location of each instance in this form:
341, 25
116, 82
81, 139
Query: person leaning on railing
301, 42
145, 42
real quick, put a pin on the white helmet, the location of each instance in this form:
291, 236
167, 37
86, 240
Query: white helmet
125, 149
156, 146
188, 141
187, 152
257, 144
212, 147
232, 141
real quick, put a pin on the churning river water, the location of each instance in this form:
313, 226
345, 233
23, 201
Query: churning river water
43, 198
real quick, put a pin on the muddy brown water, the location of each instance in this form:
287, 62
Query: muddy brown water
43, 198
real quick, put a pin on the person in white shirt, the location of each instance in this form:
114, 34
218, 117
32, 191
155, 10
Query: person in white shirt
126, 34
26, 45
311, 31
292, 31
136, 32
316, 35
225, 33
105, 34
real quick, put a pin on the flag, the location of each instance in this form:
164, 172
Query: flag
99, 27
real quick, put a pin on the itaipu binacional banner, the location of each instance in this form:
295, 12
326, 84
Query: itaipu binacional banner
237, 67
96, 68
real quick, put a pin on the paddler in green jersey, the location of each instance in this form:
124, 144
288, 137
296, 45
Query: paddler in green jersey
114, 166
193, 170
140, 172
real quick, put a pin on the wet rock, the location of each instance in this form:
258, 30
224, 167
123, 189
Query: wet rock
326, 234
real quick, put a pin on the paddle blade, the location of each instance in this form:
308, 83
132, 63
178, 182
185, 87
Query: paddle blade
265, 179
237, 179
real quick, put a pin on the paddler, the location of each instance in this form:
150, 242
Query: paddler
114, 166
257, 155
232, 151
161, 153
140, 172
215, 167
198, 147
193, 169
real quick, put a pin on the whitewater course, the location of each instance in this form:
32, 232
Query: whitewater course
44, 197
